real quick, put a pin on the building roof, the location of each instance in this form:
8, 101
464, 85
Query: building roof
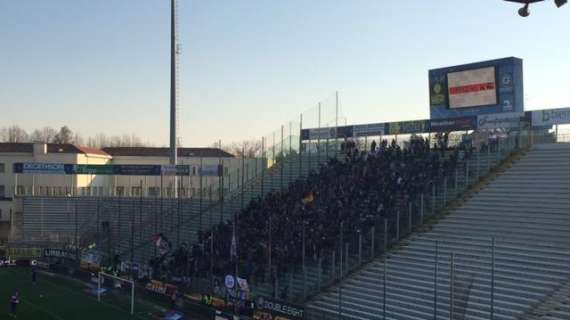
164, 152
8, 147
88, 150
16, 147
116, 151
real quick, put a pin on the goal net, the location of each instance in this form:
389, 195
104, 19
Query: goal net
117, 291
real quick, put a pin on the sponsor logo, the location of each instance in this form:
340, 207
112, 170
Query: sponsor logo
507, 79
507, 105
23, 253
45, 168
453, 124
59, 253
437, 88
478, 87
229, 281
161, 287
7, 263
278, 308
322, 133
437, 96
408, 127
556, 116
507, 120
168, 170
377, 128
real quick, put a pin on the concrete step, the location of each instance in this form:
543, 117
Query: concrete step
526, 209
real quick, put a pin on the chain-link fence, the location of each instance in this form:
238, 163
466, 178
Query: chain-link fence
125, 226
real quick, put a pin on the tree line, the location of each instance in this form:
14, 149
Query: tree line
15, 134
65, 135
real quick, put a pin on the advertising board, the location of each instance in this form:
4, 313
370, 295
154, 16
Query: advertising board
161, 288
543, 118
93, 169
373, 129
137, 170
119, 169
509, 120
454, 124
327, 133
60, 253
40, 168
210, 170
405, 127
23, 253
268, 309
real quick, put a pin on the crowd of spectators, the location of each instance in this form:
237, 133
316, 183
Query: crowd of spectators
351, 193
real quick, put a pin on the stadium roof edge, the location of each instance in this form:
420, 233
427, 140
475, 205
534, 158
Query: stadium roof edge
478, 62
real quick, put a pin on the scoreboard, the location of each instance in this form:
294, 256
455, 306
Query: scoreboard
486, 87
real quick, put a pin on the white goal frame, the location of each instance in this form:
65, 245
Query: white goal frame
106, 275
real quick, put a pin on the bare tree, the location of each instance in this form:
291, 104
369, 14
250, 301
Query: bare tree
101, 140
14, 134
78, 139
36, 136
64, 136
248, 148
44, 135
98, 141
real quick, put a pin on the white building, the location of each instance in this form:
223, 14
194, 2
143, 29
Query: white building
188, 186
13, 184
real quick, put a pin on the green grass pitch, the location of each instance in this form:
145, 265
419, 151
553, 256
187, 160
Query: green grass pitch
58, 298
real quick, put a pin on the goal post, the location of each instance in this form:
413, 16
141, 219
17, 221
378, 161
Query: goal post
100, 280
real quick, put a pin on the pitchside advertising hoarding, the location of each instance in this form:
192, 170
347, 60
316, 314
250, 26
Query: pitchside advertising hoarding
269, 309
488, 87
210, 170
41, 168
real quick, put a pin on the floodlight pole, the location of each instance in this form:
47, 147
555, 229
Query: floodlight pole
173, 58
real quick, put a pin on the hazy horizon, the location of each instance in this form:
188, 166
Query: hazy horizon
248, 67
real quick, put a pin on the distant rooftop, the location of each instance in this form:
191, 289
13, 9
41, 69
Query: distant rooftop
164, 152
8, 147
116, 151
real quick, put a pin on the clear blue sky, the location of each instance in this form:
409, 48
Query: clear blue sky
248, 66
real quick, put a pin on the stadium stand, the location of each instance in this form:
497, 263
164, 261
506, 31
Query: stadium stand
329, 229
258, 183
524, 209
307, 215
98, 220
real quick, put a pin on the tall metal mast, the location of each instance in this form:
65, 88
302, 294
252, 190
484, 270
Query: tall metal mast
173, 57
